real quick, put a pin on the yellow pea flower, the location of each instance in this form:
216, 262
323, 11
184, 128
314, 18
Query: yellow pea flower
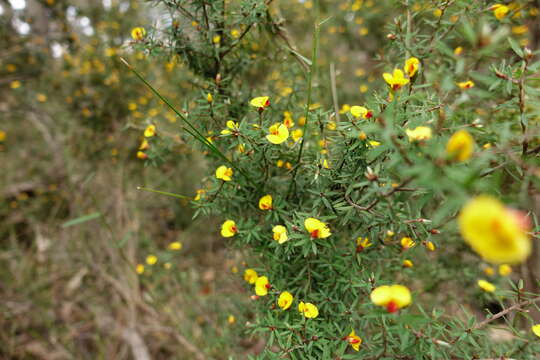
139, 269
175, 246
15, 84
200, 193
144, 145
309, 310
345, 108
280, 233
235, 33
536, 329
411, 66
224, 173
138, 33
430, 246
41, 98
500, 10
354, 340
260, 102
231, 125
150, 131
151, 259
496, 233
287, 119
216, 39
278, 133
407, 243
250, 276
228, 228
489, 271
231, 319
396, 80
265, 203
297, 134
420, 133
505, 270
460, 146
141, 155
362, 243
285, 300
486, 286
464, 85
3, 136
458, 50
262, 285
360, 111
392, 297
520, 29
209, 98
408, 263
374, 143
280, 163
316, 228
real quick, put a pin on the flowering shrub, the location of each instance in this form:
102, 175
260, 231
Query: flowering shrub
362, 224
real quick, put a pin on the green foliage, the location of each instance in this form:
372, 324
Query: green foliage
365, 177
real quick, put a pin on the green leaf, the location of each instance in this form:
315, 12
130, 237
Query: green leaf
81, 219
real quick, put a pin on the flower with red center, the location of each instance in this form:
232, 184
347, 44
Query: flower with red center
262, 285
316, 228
354, 340
260, 102
392, 297
265, 203
228, 229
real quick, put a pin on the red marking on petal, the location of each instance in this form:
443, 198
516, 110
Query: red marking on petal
392, 307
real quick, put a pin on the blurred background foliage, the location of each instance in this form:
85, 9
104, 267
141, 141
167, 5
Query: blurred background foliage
73, 225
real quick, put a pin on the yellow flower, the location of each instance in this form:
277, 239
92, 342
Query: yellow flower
331, 126
499, 10
496, 233
231, 319
285, 300
224, 173
265, 203
262, 286
505, 270
228, 228
280, 233
235, 33
392, 297
395, 80
407, 243
278, 133
345, 108
360, 111
167, 265
138, 33
488, 270
280, 163
176, 245
209, 98
260, 102
41, 97
354, 340
420, 133
486, 286
139, 269
151, 259
2, 136
141, 155
287, 119
15, 84
144, 145
460, 146
216, 39
408, 263
430, 246
374, 143
250, 276
458, 50
316, 228
520, 30
465, 84
536, 329
200, 193
297, 134
150, 131
362, 243
309, 310
231, 125
411, 66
